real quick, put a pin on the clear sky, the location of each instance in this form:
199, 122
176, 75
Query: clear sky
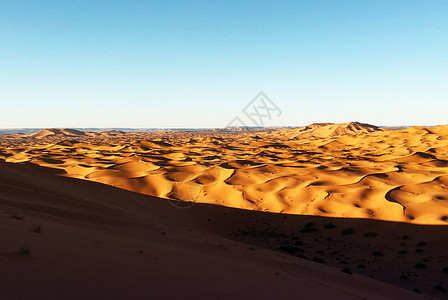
199, 63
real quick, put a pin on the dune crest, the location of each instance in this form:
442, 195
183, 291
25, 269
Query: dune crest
351, 170
64, 238
328, 130
57, 132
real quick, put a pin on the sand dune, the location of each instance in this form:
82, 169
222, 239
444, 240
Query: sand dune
335, 186
335, 170
67, 238
326, 130
56, 132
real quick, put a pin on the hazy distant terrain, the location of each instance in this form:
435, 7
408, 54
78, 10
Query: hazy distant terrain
205, 130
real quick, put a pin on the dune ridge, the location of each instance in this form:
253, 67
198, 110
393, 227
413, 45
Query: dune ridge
290, 208
57, 133
326, 130
68, 238
351, 170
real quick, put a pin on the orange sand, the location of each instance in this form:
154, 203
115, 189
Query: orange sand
337, 170
92, 241
84, 204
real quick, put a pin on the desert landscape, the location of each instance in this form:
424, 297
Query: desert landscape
223, 150
344, 211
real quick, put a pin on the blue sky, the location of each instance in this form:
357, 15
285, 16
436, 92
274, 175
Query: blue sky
198, 63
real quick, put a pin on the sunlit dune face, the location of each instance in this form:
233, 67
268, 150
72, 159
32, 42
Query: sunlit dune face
337, 170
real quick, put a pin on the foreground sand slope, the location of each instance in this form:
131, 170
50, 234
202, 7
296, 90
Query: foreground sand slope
92, 241
337, 170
